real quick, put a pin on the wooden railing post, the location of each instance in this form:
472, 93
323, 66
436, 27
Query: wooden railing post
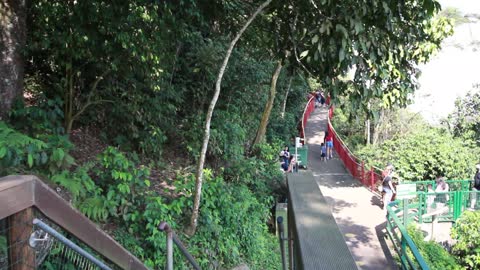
22, 256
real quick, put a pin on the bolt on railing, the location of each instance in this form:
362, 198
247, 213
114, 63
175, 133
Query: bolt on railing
172, 238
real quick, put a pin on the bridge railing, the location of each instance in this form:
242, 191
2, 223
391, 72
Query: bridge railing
369, 177
402, 242
454, 185
306, 114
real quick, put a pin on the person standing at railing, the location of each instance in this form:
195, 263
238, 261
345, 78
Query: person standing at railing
292, 164
442, 188
387, 186
328, 140
430, 197
285, 158
475, 188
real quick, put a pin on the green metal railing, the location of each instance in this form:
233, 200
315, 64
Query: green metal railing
454, 185
425, 207
403, 244
452, 204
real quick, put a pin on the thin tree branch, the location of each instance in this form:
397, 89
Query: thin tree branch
199, 173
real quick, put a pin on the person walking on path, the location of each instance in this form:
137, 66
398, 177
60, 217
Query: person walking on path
475, 187
323, 156
388, 187
329, 144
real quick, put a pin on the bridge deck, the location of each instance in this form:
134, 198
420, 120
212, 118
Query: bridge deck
321, 244
355, 209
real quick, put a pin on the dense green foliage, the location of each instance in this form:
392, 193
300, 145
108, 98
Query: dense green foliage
466, 232
382, 41
143, 77
141, 74
433, 253
116, 189
19, 152
424, 155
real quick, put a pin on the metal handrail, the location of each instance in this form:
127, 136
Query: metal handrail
70, 244
405, 241
20, 192
352, 156
164, 227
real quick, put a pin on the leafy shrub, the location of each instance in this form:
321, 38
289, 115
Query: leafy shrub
124, 183
236, 219
424, 154
115, 189
46, 117
231, 226
85, 194
261, 172
20, 153
467, 233
151, 142
433, 253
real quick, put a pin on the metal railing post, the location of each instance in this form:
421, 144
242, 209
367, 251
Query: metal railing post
405, 213
422, 199
169, 251
164, 227
457, 204
281, 239
403, 244
290, 234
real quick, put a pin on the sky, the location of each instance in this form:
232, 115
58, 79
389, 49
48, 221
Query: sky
452, 72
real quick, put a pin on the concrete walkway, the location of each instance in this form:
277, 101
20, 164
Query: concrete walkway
356, 210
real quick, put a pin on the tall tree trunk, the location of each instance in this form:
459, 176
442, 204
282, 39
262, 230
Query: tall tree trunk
199, 173
69, 97
262, 129
284, 104
367, 126
378, 128
367, 131
12, 41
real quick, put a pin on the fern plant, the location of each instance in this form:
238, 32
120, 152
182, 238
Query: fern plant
18, 151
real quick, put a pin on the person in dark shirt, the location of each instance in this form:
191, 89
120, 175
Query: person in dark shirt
285, 158
475, 187
388, 187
